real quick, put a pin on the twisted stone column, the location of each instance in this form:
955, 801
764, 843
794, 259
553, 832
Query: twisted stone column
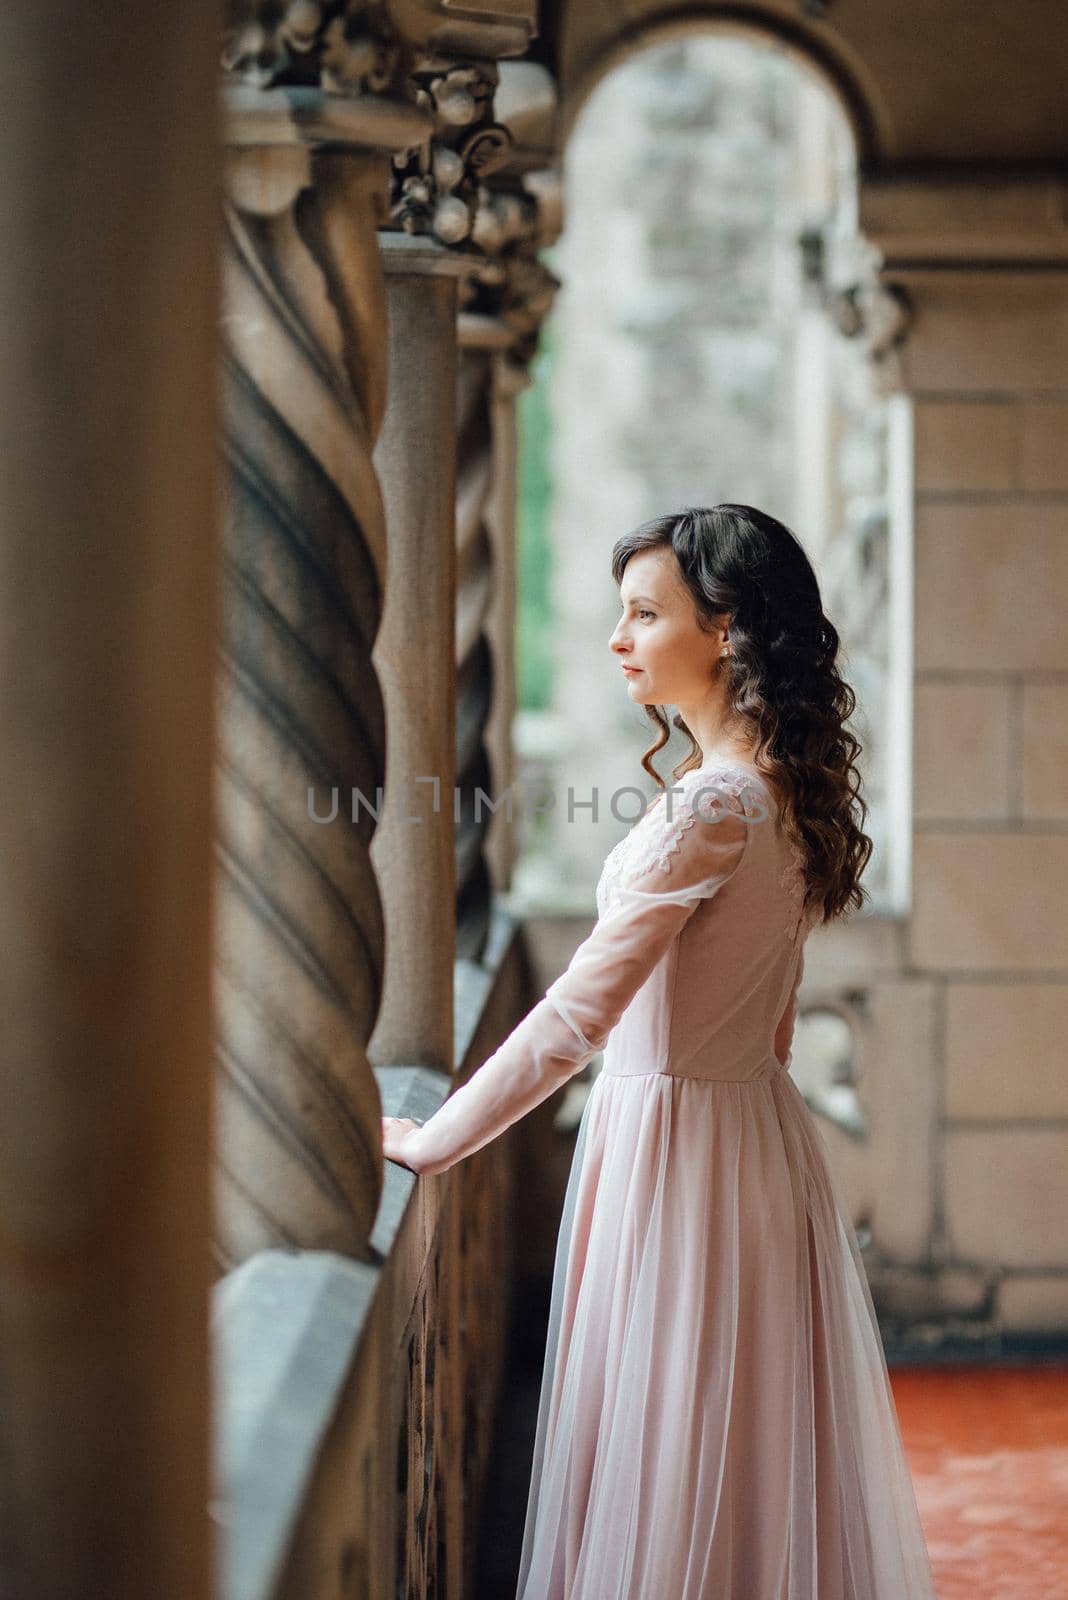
508, 299
507, 302
302, 721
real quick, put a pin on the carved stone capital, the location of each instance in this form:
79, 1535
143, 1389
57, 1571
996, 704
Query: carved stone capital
845, 274
880, 315
436, 182
511, 284
318, 74
344, 48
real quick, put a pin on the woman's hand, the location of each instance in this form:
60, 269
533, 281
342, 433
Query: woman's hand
394, 1132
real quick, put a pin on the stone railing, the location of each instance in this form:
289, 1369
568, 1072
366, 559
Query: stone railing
356, 1398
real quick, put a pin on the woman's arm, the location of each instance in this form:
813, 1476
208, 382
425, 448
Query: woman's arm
694, 852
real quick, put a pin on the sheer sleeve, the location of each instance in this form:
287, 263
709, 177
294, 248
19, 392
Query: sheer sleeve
692, 849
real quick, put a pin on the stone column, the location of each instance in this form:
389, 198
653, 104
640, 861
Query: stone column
423, 848
984, 266
414, 655
107, 584
520, 215
303, 723
506, 300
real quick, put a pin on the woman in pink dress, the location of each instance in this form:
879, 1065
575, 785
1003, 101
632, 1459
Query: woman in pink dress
716, 1420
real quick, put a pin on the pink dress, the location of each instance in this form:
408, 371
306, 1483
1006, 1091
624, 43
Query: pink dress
716, 1420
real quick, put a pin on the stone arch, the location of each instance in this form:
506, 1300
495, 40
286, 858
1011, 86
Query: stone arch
841, 72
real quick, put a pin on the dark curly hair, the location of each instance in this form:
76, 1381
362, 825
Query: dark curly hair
786, 693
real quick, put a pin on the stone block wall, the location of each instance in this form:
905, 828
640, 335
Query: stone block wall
988, 366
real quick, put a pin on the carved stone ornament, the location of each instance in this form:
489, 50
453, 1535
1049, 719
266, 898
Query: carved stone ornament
344, 47
879, 314
436, 184
512, 284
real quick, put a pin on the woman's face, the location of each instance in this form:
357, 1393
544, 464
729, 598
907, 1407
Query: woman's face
657, 634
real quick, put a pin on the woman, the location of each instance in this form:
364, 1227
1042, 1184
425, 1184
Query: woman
716, 1421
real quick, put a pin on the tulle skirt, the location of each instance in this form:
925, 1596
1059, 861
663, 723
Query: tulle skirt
716, 1420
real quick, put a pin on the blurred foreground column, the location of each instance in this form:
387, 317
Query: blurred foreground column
107, 634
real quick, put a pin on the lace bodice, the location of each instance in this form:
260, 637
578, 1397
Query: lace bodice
658, 833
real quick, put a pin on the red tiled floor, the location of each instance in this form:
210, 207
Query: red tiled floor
988, 1451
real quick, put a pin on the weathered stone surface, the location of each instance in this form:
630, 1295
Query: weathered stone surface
1042, 740
1004, 1050
966, 445
1007, 1195
1024, 343
287, 1326
1044, 447
1032, 1303
989, 901
301, 718
414, 847
981, 570
963, 742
